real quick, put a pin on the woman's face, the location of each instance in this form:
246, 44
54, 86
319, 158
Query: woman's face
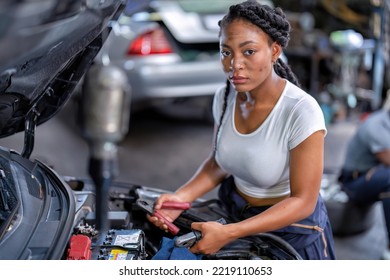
247, 55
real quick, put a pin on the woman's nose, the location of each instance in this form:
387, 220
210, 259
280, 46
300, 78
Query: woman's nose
235, 64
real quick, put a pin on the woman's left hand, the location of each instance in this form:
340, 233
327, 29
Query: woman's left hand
214, 237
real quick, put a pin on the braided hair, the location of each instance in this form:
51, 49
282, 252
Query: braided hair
274, 23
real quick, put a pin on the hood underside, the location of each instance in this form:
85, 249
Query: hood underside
46, 47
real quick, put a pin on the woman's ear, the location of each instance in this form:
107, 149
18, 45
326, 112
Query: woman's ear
276, 51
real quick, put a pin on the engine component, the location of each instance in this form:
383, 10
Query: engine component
80, 248
121, 245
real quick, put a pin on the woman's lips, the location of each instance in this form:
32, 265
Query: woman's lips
238, 79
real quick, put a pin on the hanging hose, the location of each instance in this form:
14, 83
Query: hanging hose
340, 10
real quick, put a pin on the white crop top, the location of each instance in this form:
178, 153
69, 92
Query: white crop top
259, 161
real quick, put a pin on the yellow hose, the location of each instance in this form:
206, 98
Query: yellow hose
339, 9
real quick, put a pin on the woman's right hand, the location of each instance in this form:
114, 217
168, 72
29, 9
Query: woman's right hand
169, 214
208, 176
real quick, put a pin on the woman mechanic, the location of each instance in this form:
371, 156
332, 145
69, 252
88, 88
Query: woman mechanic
268, 145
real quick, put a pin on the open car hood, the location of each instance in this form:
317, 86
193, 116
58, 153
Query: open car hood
46, 47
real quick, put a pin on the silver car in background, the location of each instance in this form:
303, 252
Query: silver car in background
170, 52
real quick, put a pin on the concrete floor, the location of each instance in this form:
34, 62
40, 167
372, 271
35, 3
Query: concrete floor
164, 152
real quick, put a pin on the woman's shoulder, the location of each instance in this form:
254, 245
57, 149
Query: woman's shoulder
220, 92
294, 91
299, 97
219, 97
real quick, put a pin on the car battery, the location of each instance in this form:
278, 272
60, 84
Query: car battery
124, 244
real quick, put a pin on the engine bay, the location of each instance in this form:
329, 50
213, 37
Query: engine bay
132, 237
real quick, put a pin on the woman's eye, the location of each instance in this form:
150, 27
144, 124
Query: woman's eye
225, 53
249, 52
